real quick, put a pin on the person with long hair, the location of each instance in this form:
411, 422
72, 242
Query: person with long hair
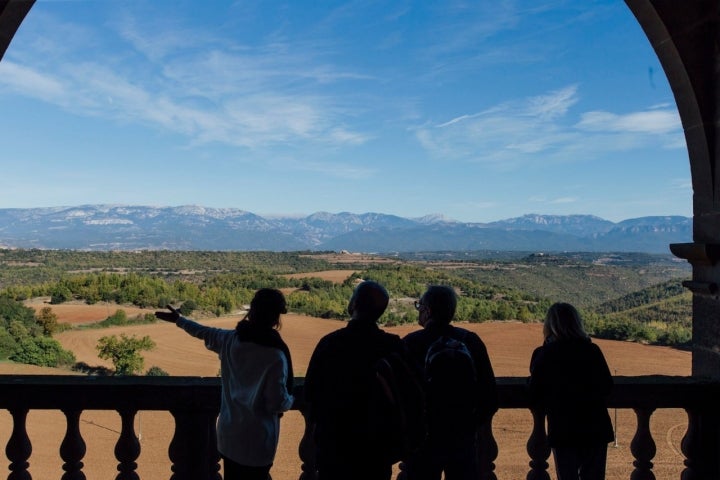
257, 381
569, 380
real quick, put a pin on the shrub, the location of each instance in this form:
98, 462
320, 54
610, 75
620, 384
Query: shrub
42, 351
187, 307
117, 318
156, 371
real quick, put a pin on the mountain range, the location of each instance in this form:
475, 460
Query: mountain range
191, 227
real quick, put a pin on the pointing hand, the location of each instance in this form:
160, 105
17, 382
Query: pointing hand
171, 316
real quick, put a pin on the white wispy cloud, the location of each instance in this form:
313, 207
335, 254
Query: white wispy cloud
542, 129
544, 200
161, 42
562, 200
554, 104
190, 83
653, 122
29, 82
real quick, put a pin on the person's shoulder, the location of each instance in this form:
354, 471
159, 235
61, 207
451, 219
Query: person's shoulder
413, 336
330, 338
392, 338
595, 348
391, 335
463, 331
466, 336
538, 351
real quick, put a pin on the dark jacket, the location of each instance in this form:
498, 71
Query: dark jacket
486, 391
338, 384
570, 380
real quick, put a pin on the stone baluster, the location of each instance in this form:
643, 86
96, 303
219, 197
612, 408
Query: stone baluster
306, 450
72, 448
19, 448
487, 451
193, 449
689, 447
538, 448
127, 448
643, 446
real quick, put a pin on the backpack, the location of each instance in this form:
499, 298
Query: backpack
450, 385
397, 409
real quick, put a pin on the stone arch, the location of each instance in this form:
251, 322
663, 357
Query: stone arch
684, 36
12, 13
686, 39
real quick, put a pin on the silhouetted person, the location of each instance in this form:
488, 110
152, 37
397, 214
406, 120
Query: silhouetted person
460, 399
256, 373
338, 387
570, 380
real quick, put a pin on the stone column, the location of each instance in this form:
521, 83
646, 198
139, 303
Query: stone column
685, 37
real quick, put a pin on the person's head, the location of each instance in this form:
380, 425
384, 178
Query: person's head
266, 307
563, 322
368, 302
437, 304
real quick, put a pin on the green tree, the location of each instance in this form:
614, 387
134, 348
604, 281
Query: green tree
48, 320
124, 353
42, 351
8, 345
60, 294
18, 330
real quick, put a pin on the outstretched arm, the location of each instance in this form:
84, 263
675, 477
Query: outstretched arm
212, 336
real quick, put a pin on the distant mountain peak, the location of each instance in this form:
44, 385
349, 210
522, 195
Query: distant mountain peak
194, 227
434, 218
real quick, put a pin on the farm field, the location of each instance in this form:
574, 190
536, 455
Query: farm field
509, 344
337, 276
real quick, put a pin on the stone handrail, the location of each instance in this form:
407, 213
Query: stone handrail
194, 403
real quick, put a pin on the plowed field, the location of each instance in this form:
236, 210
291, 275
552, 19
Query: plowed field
509, 345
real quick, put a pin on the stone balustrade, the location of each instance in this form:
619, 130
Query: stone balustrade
194, 403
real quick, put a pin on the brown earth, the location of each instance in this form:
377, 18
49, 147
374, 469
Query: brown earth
79, 312
509, 344
336, 276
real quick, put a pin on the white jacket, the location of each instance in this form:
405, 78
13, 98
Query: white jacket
254, 393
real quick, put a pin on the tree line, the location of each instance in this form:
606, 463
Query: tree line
217, 283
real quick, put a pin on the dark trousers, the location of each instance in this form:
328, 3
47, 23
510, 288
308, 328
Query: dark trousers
580, 463
458, 462
236, 471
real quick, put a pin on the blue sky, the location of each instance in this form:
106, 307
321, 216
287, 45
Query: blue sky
476, 110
